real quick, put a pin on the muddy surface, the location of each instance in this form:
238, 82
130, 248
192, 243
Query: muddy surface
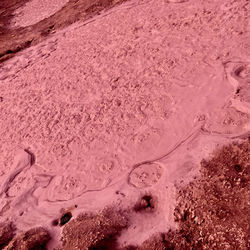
24, 23
105, 106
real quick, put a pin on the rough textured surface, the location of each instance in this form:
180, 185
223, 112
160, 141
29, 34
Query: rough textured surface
15, 12
155, 242
7, 232
94, 231
121, 105
35, 11
213, 211
7, 9
35, 238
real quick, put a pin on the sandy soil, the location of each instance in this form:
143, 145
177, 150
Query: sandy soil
35, 11
14, 39
119, 106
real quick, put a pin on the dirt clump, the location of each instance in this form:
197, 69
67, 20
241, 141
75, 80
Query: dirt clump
94, 231
7, 232
35, 238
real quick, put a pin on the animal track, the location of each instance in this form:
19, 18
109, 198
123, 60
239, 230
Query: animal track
242, 72
238, 75
21, 162
145, 175
65, 188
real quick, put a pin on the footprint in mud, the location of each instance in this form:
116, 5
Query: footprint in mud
20, 185
103, 170
106, 166
145, 175
63, 188
242, 72
242, 75
22, 161
238, 75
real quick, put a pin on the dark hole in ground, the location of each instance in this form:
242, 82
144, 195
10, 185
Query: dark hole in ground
147, 203
188, 238
65, 218
185, 215
9, 51
51, 27
55, 222
238, 168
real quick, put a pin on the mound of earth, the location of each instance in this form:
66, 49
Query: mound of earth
94, 231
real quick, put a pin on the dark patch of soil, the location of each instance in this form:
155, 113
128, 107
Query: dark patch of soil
7, 232
94, 231
147, 203
55, 222
65, 218
213, 211
7, 7
34, 239
15, 40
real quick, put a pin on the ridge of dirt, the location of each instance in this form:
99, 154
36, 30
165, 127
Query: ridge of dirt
13, 40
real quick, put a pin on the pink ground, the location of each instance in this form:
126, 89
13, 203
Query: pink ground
129, 101
35, 10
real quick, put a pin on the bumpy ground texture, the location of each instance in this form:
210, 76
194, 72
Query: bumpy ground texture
24, 23
126, 120
212, 211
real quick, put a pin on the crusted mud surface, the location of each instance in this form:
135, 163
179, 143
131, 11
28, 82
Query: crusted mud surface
24, 23
138, 105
